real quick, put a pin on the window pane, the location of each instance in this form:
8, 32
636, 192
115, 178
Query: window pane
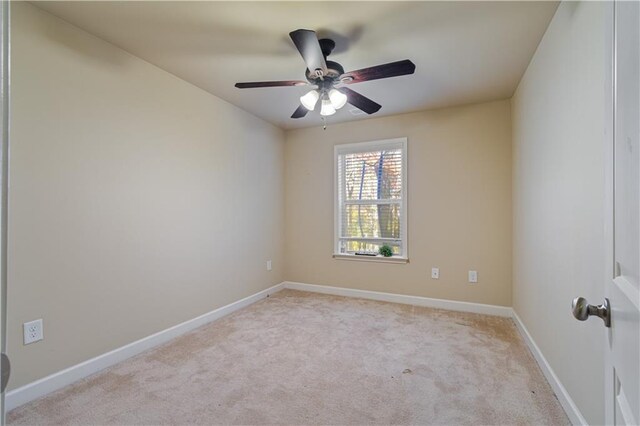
375, 175
366, 247
371, 221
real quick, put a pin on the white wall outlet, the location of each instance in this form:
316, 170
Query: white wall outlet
473, 276
269, 265
33, 331
435, 273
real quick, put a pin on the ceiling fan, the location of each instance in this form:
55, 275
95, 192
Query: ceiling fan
329, 77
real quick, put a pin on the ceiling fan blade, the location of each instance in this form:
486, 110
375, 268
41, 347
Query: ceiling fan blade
359, 101
306, 42
285, 83
392, 69
300, 112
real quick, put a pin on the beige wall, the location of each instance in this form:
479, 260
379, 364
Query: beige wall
137, 200
558, 191
459, 204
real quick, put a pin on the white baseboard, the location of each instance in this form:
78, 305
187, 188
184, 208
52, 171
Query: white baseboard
58, 380
563, 396
451, 305
55, 381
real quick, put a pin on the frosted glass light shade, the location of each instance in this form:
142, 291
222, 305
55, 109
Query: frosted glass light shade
309, 100
327, 108
338, 99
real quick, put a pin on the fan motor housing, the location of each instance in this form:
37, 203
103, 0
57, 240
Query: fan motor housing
334, 69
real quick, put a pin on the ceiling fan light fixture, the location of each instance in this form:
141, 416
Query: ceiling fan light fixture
323, 75
327, 108
338, 99
310, 99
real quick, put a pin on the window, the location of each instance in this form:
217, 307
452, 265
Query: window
371, 202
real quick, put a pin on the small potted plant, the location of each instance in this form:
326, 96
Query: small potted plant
386, 250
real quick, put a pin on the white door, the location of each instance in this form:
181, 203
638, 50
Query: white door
622, 358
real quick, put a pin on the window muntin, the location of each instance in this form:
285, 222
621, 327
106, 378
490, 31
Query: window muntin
371, 197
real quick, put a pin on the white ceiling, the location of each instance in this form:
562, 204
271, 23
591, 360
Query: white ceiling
465, 52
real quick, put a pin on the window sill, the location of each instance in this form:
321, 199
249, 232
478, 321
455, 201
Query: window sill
380, 259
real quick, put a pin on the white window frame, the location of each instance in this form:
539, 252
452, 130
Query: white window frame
363, 147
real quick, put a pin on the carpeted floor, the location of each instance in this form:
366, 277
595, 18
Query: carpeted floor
303, 358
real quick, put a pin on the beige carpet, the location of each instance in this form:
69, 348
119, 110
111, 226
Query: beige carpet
303, 358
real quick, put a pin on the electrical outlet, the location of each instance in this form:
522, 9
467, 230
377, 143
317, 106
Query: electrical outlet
269, 265
435, 273
33, 331
473, 277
